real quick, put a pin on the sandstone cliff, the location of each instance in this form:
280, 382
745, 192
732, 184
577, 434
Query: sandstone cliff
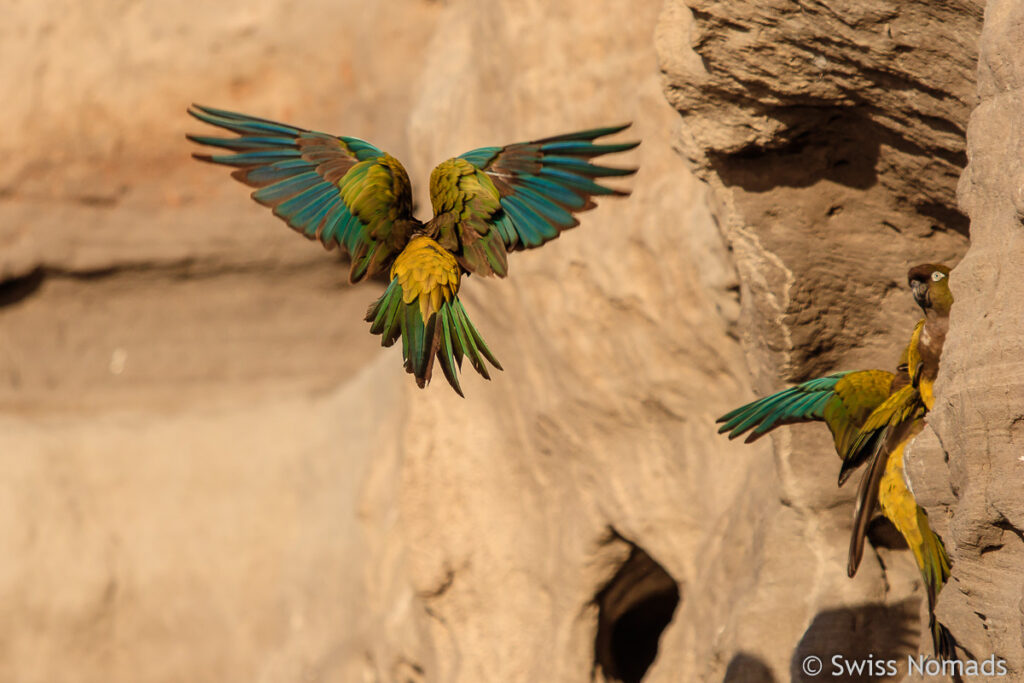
832, 136
978, 419
212, 472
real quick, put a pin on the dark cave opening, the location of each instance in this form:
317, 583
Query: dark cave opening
634, 607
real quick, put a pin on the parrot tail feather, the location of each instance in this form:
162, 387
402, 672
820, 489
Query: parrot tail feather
935, 572
447, 336
943, 642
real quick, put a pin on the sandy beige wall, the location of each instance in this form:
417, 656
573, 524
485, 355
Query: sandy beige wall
213, 473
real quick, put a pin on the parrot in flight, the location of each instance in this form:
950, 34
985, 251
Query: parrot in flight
873, 414
487, 203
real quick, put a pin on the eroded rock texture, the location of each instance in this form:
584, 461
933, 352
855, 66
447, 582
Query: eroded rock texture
185, 429
831, 135
979, 415
212, 472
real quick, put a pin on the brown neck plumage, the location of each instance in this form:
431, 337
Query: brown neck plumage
933, 336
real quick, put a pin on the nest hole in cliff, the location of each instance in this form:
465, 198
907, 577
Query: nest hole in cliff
634, 607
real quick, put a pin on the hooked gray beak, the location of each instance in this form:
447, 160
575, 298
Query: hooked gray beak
920, 291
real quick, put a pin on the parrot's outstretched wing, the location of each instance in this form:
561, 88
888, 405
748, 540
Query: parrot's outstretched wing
494, 200
339, 190
842, 400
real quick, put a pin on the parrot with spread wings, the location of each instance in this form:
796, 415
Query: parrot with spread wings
487, 203
873, 415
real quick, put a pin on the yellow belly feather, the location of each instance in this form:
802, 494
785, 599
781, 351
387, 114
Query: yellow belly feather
900, 508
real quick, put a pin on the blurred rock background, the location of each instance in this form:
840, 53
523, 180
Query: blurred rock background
213, 473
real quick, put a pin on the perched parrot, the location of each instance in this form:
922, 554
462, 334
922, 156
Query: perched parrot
872, 415
488, 202
886, 434
883, 437
901, 416
930, 285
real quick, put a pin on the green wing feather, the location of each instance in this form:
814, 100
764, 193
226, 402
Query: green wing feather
842, 400
935, 569
342, 191
495, 200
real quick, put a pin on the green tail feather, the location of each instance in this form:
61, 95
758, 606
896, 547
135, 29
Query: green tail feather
943, 642
935, 573
448, 336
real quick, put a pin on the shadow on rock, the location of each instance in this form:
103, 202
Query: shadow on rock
828, 143
748, 668
866, 643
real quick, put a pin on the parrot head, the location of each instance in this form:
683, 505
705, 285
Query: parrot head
930, 284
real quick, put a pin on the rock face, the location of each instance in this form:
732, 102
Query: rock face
979, 415
841, 125
212, 473
189, 403
832, 137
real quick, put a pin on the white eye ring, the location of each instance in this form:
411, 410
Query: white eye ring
937, 275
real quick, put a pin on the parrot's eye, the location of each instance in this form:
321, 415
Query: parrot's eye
937, 275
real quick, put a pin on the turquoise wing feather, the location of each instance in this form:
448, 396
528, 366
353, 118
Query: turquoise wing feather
494, 200
843, 400
804, 402
342, 191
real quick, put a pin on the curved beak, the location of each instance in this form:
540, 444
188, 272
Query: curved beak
920, 291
